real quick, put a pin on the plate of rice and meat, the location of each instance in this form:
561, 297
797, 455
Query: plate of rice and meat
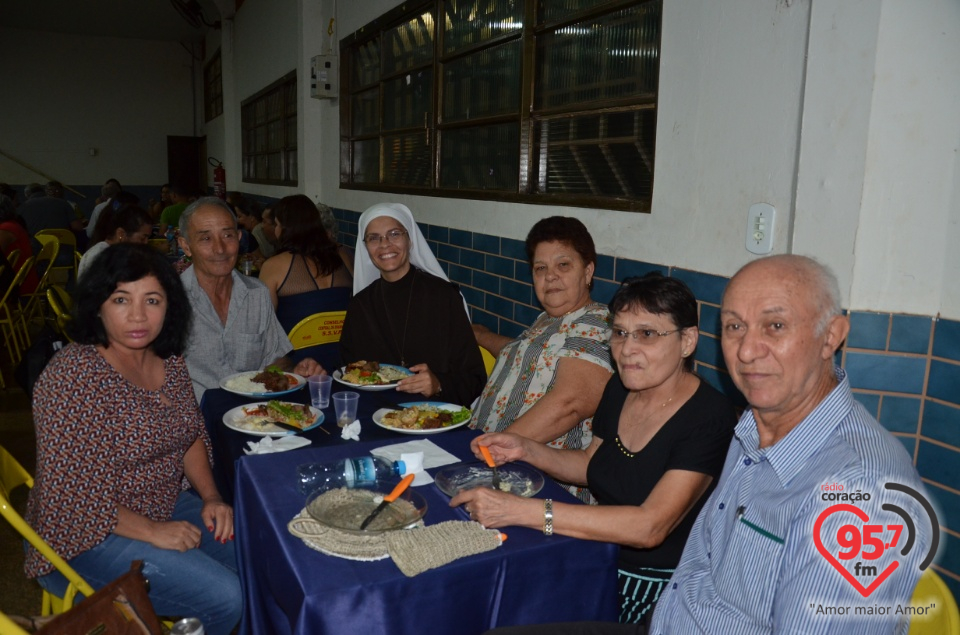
270, 382
364, 375
422, 417
261, 419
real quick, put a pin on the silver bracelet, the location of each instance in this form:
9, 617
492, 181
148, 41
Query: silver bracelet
547, 517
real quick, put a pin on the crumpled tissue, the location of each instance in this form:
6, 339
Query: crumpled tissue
432, 455
269, 445
351, 432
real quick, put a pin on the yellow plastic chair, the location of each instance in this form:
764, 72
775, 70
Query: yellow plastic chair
319, 328
60, 303
12, 475
9, 627
942, 620
489, 361
13, 256
16, 337
66, 238
44, 265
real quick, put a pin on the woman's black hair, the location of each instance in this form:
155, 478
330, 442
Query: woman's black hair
562, 229
128, 262
304, 233
660, 295
129, 218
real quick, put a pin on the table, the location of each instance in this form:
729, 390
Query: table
290, 588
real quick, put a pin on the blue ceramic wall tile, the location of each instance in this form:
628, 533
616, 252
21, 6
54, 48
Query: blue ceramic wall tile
626, 268
445, 266
869, 401
603, 291
709, 319
722, 382
439, 233
516, 291
461, 238
605, 267
910, 334
939, 464
868, 330
460, 275
946, 339
500, 306
890, 373
900, 414
941, 423
512, 248
424, 228
910, 443
510, 329
487, 243
526, 315
448, 253
708, 352
471, 258
944, 381
500, 266
521, 271
486, 282
489, 320
473, 296
706, 287
947, 505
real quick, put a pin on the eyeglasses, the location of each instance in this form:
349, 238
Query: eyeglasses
394, 236
645, 337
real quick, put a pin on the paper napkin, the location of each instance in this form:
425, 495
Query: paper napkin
351, 432
268, 445
433, 456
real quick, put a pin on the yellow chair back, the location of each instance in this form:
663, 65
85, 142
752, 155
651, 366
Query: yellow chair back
319, 328
9, 627
61, 312
12, 475
13, 256
489, 361
944, 619
16, 336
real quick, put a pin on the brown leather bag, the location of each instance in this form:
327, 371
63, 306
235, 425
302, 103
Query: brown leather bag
120, 608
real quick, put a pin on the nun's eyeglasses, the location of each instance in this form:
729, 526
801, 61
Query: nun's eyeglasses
394, 237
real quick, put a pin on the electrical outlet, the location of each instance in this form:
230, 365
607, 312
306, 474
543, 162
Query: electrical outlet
760, 222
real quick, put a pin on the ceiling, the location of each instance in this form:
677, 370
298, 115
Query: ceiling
136, 19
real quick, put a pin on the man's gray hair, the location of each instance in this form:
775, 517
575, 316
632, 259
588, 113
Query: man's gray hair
34, 189
206, 201
827, 288
328, 220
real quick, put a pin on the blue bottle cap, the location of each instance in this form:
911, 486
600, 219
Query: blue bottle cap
401, 467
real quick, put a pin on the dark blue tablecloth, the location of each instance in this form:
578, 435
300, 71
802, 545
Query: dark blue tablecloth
290, 588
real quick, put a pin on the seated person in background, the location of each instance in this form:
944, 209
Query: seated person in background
234, 325
13, 235
405, 311
243, 208
268, 229
307, 277
108, 192
118, 431
330, 224
547, 383
40, 211
156, 206
170, 216
660, 435
130, 224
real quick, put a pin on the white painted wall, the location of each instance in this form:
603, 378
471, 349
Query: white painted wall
65, 94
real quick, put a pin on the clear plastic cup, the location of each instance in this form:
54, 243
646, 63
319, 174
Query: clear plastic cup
345, 407
320, 390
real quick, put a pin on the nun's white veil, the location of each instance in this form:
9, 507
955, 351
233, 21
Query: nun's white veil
365, 272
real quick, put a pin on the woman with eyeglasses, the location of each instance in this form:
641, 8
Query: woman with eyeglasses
406, 312
660, 436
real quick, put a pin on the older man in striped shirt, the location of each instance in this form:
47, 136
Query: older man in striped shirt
788, 542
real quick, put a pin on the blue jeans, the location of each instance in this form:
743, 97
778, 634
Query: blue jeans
201, 583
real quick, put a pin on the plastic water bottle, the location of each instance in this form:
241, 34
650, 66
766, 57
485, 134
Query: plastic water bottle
361, 471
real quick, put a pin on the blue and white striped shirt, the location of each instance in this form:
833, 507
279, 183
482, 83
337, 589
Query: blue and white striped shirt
751, 565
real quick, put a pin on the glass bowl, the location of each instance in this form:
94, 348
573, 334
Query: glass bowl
515, 478
345, 509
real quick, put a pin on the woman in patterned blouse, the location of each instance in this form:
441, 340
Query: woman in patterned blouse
547, 383
123, 459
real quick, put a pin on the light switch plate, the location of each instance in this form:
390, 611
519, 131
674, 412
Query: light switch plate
760, 225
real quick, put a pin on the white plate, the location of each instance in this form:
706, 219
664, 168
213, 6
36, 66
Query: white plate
233, 419
439, 405
338, 376
300, 383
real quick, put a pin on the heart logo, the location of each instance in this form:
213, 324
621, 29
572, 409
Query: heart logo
829, 557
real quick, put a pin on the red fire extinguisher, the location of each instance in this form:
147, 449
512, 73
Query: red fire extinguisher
219, 178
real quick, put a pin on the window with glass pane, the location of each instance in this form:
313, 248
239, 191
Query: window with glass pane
542, 101
269, 121
212, 88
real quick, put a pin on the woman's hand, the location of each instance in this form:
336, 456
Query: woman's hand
218, 516
177, 535
423, 382
494, 509
308, 367
504, 447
